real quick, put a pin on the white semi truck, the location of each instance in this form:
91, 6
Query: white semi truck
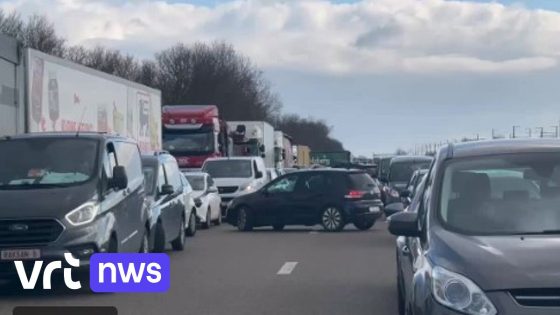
253, 138
52, 95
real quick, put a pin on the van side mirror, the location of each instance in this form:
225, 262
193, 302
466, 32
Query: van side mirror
259, 174
404, 224
167, 190
120, 179
212, 189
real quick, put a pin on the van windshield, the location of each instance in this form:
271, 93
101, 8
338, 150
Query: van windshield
503, 195
228, 168
46, 162
402, 171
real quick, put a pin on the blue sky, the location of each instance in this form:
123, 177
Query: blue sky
384, 74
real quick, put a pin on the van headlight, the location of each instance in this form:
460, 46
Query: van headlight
84, 214
459, 293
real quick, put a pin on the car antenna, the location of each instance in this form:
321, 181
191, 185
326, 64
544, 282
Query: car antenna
81, 120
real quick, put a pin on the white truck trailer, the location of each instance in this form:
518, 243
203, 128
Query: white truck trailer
52, 95
253, 138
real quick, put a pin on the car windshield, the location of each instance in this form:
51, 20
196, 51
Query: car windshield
402, 171
228, 168
196, 181
503, 195
189, 143
150, 179
46, 162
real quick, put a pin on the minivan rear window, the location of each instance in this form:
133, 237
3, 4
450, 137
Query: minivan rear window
361, 181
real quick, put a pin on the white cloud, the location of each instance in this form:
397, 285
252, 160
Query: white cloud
375, 36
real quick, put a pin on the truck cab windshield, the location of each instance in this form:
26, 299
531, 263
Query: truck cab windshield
229, 169
46, 162
189, 142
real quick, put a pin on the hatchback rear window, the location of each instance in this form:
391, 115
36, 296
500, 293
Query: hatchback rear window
361, 181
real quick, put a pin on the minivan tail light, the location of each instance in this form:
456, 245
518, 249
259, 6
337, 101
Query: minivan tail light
354, 194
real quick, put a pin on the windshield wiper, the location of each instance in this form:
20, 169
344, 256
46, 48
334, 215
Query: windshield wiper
543, 232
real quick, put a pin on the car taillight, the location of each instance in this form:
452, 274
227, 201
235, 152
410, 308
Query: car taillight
355, 194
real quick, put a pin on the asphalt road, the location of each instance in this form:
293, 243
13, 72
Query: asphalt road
223, 271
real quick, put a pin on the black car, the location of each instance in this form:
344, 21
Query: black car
400, 171
64, 192
481, 234
166, 201
329, 197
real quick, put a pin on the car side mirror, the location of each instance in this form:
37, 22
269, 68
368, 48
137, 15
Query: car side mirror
120, 179
406, 193
167, 190
404, 224
393, 208
259, 174
212, 190
198, 202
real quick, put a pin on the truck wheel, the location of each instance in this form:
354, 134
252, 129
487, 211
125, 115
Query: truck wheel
332, 219
244, 220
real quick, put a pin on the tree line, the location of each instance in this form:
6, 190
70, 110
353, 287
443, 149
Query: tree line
201, 73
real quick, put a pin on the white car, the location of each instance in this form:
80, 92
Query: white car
272, 173
208, 200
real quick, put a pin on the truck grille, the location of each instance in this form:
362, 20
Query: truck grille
537, 297
29, 232
227, 189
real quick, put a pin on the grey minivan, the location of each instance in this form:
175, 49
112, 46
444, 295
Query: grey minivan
69, 193
482, 234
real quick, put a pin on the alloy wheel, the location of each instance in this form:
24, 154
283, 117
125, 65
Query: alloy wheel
331, 219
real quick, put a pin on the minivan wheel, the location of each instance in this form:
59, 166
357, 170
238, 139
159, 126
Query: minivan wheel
244, 220
159, 239
206, 225
191, 228
332, 219
145, 247
179, 242
364, 225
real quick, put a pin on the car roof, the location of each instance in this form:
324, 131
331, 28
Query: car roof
195, 173
248, 158
156, 158
86, 135
502, 146
329, 170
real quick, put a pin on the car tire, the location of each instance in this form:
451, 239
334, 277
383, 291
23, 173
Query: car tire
244, 220
278, 227
145, 245
364, 225
218, 221
191, 228
159, 239
332, 219
206, 225
178, 244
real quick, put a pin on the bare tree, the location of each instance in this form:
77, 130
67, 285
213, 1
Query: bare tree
40, 34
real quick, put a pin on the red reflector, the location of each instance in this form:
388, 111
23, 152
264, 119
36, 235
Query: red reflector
355, 194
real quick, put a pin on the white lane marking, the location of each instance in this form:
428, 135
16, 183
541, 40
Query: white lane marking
129, 237
287, 268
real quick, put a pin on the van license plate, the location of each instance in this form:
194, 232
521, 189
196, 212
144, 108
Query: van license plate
20, 254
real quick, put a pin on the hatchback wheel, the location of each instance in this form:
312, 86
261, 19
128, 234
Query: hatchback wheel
332, 219
206, 225
364, 225
191, 228
179, 242
244, 220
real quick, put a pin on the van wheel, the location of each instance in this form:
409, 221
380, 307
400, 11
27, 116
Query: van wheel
179, 242
364, 225
159, 241
191, 228
244, 220
144, 246
332, 219
206, 225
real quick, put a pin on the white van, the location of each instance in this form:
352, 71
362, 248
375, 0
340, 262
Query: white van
236, 176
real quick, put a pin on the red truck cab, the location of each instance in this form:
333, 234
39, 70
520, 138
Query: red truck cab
194, 133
